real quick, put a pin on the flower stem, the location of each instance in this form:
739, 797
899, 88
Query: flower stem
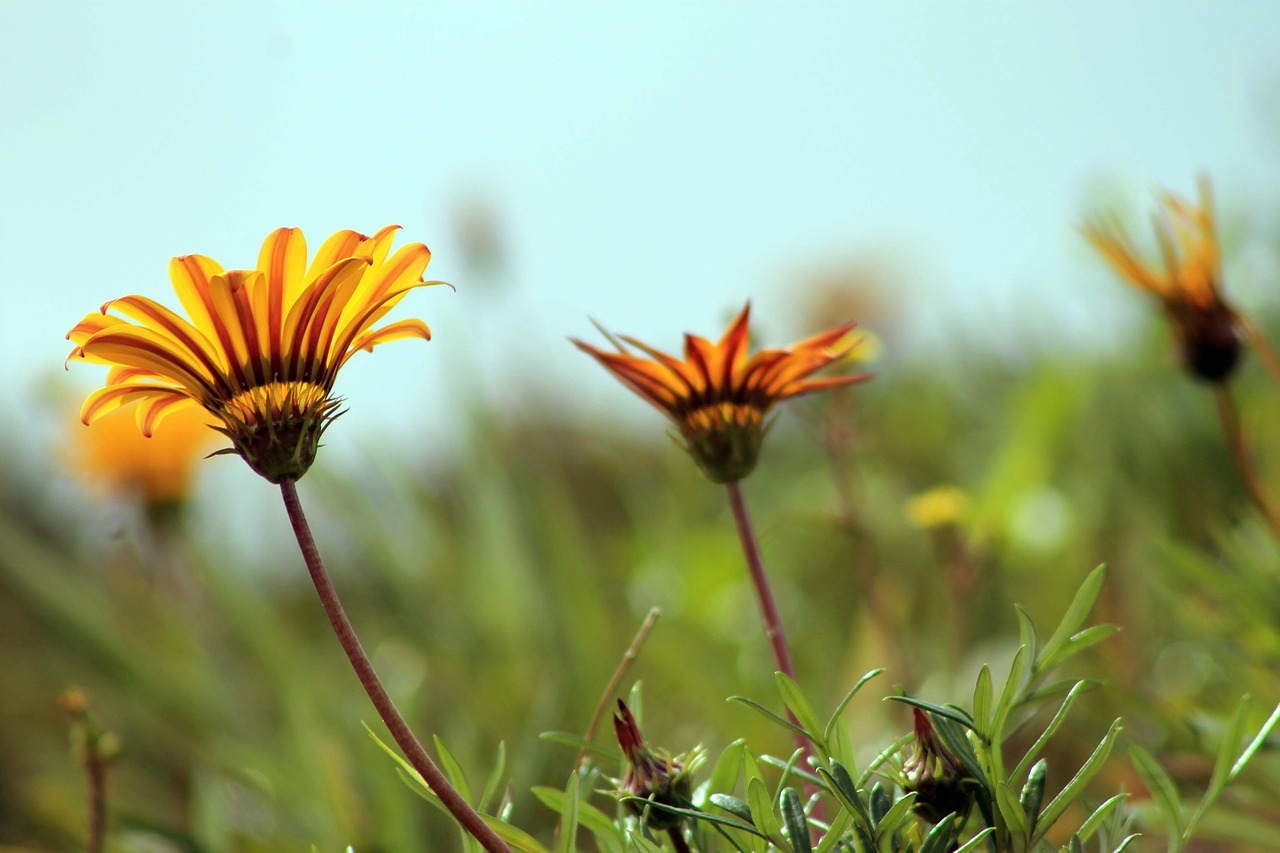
677, 840
461, 810
96, 770
769, 613
627, 659
1229, 414
1266, 352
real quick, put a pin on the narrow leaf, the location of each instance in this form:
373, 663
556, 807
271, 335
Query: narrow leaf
798, 704
848, 697
794, 817
1076, 786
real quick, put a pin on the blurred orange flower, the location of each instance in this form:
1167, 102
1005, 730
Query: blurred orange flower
1188, 286
262, 347
158, 469
718, 396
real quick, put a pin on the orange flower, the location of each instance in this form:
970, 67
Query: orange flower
718, 396
262, 347
1188, 286
156, 469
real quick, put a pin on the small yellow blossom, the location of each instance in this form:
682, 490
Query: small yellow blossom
942, 506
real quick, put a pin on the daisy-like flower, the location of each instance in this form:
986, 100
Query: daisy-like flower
719, 396
1188, 285
260, 348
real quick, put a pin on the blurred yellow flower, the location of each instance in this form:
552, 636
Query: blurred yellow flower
261, 348
942, 506
159, 469
719, 396
1188, 286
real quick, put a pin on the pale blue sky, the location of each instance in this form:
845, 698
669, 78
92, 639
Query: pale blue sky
652, 165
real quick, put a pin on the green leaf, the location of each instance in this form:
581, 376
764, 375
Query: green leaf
1255, 743
951, 713
1011, 810
829, 729
452, 769
1027, 633
1056, 723
734, 806
727, 769
697, 814
798, 704
898, 813
514, 836
1163, 791
1076, 786
1094, 821
612, 756
568, 840
1125, 844
1008, 696
1032, 796
769, 715
939, 838
888, 752
797, 824
1231, 740
844, 789
972, 844
642, 844
953, 737
599, 824
982, 697
1086, 597
839, 826
494, 781
762, 815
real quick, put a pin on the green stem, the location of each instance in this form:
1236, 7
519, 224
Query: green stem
453, 801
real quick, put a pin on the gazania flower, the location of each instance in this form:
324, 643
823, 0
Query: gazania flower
260, 348
1187, 285
658, 778
156, 470
719, 396
937, 777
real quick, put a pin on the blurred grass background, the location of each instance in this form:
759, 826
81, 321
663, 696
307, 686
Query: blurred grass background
496, 587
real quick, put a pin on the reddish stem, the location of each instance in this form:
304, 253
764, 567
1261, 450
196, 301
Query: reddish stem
453, 801
769, 614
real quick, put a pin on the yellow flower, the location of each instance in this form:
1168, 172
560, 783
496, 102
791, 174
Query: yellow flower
260, 348
718, 396
156, 469
1188, 286
941, 506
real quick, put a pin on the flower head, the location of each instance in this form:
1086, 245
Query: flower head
661, 779
260, 348
157, 470
1188, 286
719, 396
935, 775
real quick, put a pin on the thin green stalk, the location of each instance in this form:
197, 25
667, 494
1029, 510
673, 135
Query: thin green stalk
618, 674
453, 801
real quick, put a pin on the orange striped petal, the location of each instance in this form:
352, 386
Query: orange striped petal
154, 316
396, 331
400, 273
283, 262
190, 275
112, 397
137, 347
338, 246
153, 410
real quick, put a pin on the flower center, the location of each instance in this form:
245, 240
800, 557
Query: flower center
277, 427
